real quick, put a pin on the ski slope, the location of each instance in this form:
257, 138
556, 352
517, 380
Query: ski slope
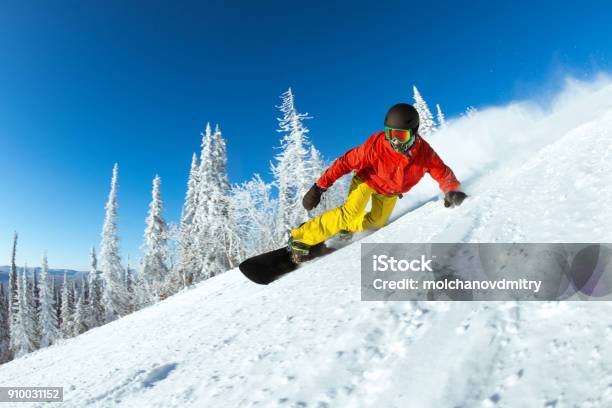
308, 341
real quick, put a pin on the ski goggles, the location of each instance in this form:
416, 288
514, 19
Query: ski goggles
401, 136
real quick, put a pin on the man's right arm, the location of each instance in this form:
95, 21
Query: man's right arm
355, 159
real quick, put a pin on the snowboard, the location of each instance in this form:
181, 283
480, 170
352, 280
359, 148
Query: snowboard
270, 266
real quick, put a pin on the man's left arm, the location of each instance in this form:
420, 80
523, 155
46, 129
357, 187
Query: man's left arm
446, 179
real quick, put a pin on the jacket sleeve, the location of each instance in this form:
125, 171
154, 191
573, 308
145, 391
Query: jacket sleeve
441, 172
355, 159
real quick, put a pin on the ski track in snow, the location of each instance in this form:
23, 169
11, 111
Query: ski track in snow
308, 341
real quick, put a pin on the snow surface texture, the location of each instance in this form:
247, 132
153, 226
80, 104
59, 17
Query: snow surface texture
308, 341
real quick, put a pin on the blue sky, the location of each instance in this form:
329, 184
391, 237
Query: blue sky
87, 84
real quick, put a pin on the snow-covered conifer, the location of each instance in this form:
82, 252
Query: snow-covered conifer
30, 310
96, 307
254, 208
187, 264
427, 125
80, 319
22, 331
210, 221
48, 324
143, 296
13, 297
441, 118
35, 306
229, 241
67, 312
114, 296
154, 262
129, 278
57, 298
220, 161
291, 172
203, 215
5, 338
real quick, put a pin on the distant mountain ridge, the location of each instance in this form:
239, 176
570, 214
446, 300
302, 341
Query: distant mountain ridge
72, 274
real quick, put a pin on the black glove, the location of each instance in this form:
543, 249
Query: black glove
454, 198
313, 197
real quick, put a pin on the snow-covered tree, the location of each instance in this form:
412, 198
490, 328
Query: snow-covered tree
80, 317
23, 328
34, 299
188, 257
67, 312
203, 217
96, 307
154, 261
427, 125
57, 298
114, 297
211, 218
13, 297
292, 175
142, 295
129, 279
219, 149
253, 208
48, 324
440, 116
31, 311
229, 242
5, 338
35, 289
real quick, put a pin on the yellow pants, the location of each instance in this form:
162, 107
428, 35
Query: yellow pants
350, 216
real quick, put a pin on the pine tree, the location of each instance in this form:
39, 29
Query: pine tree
129, 283
114, 296
67, 312
35, 306
292, 177
13, 297
5, 339
57, 298
441, 117
30, 311
142, 294
253, 208
229, 241
80, 319
220, 161
211, 216
48, 323
187, 251
22, 336
427, 125
75, 297
204, 240
96, 312
154, 261
35, 289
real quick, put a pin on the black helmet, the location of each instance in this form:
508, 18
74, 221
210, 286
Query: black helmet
402, 116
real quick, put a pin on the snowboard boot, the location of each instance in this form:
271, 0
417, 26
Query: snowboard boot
299, 251
344, 235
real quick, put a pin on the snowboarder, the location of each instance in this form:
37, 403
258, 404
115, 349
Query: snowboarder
387, 165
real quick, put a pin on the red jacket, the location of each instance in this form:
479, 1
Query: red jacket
388, 171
